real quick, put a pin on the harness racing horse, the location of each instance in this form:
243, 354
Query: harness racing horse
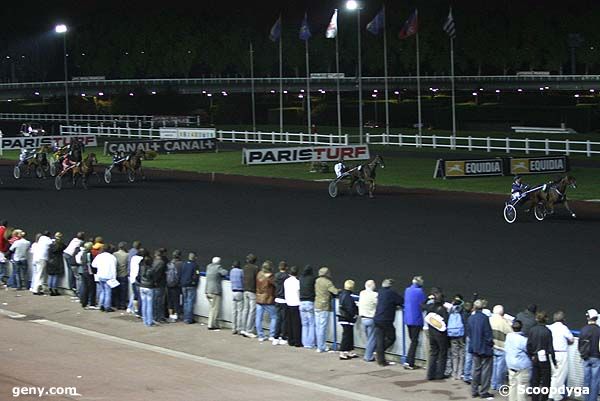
556, 194
83, 169
366, 173
133, 165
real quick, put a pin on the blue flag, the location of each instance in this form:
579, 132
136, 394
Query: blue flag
376, 24
304, 29
275, 32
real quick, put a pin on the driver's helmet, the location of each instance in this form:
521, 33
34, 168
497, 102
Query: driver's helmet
517, 178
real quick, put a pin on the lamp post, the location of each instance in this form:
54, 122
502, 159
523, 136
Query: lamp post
62, 29
353, 5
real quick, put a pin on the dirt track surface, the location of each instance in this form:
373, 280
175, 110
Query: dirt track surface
457, 241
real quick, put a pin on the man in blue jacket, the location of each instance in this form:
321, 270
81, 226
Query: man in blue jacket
481, 347
388, 301
414, 298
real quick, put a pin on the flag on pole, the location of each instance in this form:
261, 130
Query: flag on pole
332, 28
304, 29
275, 32
376, 24
410, 27
449, 26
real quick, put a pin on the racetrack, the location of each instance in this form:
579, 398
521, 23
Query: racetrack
459, 242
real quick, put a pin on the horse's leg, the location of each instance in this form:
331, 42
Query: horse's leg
371, 188
142, 173
352, 182
573, 215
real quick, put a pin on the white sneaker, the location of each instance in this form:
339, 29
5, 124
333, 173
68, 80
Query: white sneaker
262, 339
276, 342
250, 335
129, 310
283, 342
271, 338
243, 333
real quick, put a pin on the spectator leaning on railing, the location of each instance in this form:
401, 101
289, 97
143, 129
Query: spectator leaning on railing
589, 350
236, 276
292, 299
561, 339
265, 300
388, 301
307, 307
324, 291
367, 304
214, 276
249, 311
414, 299
190, 276
347, 314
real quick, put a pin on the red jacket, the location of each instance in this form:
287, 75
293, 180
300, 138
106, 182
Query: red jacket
3, 242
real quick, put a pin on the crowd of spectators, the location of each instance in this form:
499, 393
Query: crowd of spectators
465, 340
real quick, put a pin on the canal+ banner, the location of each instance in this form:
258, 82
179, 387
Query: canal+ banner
469, 168
162, 146
539, 165
305, 154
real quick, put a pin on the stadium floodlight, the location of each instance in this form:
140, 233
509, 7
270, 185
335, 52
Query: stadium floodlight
62, 30
352, 5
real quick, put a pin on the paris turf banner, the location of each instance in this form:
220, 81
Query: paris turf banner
35, 142
305, 154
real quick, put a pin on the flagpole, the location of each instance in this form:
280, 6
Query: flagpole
280, 83
308, 88
419, 86
452, 80
337, 84
252, 84
360, 108
385, 72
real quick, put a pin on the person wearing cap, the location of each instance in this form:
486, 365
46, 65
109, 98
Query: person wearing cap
19, 250
236, 276
120, 293
561, 339
517, 187
388, 301
481, 346
324, 291
414, 299
215, 273
249, 310
541, 351
367, 304
589, 342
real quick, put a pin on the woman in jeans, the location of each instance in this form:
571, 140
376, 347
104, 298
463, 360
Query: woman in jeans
307, 306
147, 285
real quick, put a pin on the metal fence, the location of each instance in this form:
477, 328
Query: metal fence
488, 144
157, 121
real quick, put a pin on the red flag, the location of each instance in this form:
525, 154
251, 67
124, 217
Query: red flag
410, 27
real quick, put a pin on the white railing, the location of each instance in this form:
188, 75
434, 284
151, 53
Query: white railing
157, 121
223, 136
488, 144
278, 138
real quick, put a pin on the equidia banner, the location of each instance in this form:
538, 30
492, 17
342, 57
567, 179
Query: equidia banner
305, 154
38, 141
469, 168
163, 146
539, 165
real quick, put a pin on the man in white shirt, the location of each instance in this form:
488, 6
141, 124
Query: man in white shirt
69, 254
40, 260
367, 303
561, 339
20, 249
106, 265
134, 269
291, 289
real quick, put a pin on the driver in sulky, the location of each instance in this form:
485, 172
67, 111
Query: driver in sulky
518, 187
340, 168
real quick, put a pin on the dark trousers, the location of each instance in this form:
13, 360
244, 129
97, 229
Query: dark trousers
294, 326
541, 374
280, 327
438, 355
413, 334
173, 299
88, 292
385, 336
482, 374
347, 338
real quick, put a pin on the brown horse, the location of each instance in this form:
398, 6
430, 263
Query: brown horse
133, 164
555, 194
84, 169
367, 173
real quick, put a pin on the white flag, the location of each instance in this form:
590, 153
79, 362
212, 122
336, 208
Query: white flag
331, 32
